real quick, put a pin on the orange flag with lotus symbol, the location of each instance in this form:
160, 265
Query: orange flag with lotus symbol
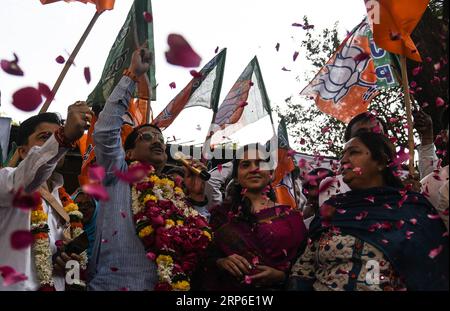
394, 24
101, 5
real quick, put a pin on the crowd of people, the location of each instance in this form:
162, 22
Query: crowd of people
370, 227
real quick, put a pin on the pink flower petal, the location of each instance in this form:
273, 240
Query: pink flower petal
11, 276
436, 80
341, 211
413, 221
151, 256
123, 214
244, 191
370, 198
387, 206
173, 85
12, 67
294, 57
219, 168
302, 163
307, 27
60, 59
326, 185
148, 17
416, 71
97, 191
297, 25
361, 57
384, 241
87, 74
440, 102
195, 74
96, 173
134, 174
285, 69
437, 66
25, 201
243, 104
114, 269
181, 53
399, 224
409, 234
357, 171
361, 215
428, 59
27, 99
45, 90
436, 251
21, 239
325, 129
255, 260
248, 280
277, 47
216, 50
434, 216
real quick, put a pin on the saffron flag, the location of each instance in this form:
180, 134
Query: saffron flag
283, 184
344, 87
393, 26
132, 35
101, 5
203, 90
246, 102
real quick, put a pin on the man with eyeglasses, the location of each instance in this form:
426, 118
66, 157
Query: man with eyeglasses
42, 142
117, 244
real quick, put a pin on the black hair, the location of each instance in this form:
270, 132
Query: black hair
444, 119
382, 151
175, 170
130, 141
28, 127
239, 203
363, 117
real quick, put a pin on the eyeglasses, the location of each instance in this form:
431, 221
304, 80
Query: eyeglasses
148, 136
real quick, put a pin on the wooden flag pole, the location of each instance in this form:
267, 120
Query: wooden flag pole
408, 114
69, 62
15, 158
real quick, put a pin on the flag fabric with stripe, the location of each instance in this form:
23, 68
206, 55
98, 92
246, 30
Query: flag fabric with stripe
246, 103
344, 87
394, 24
283, 184
132, 35
101, 5
203, 91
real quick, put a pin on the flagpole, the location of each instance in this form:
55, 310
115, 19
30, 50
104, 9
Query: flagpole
408, 113
15, 158
69, 62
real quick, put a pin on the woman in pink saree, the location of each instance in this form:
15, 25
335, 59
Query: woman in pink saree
255, 240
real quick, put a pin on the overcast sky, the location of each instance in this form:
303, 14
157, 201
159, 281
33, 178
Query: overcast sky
38, 34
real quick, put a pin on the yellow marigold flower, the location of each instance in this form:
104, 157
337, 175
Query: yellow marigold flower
154, 179
208, 235
178, 190
180, 222
149, 197
145, 231
170, 223
181, 286
71, 208
164, 258
38, 216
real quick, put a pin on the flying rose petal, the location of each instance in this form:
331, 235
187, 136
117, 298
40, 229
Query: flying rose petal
11, 276
134, 173
302, 163
361, 215
123, 214
413, 84
96, 173
384, 241
285, 69
341, 211
97, 191
436, 81
409, 234
357, 171
361, 57
437, 66
114, 269
417, 70
302, 141
59, 243
277, 47
87, 74
294, 57
45, 90
216, 50
324, 186
307, 27
440, 102
434, 216
219, 168
195, 74
297, 25
151, 256
243, 104
25, 201
325, 129
436, 251
60, 59
401, 157
399, 224
21, 239
12, 67
27, 99
387, 206
244, 191
148, 17
180, 52
428, 59
413, 221
173, 85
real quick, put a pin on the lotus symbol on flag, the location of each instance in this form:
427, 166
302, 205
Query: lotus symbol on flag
343, 74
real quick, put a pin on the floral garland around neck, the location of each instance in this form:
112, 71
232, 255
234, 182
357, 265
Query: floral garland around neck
174, 234
41, 245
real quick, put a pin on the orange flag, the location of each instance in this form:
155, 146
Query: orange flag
101, 5
397, 20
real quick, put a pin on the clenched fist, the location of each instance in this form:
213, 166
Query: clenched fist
79, 116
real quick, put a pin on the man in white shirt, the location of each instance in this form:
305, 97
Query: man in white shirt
43, 142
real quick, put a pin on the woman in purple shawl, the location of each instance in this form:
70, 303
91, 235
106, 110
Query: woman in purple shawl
255, 240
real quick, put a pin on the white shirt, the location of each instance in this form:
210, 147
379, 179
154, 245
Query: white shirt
35, 170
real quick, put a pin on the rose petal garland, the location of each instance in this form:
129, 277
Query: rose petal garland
173, 233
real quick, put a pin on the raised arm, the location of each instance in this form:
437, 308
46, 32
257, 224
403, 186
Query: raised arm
108, 143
